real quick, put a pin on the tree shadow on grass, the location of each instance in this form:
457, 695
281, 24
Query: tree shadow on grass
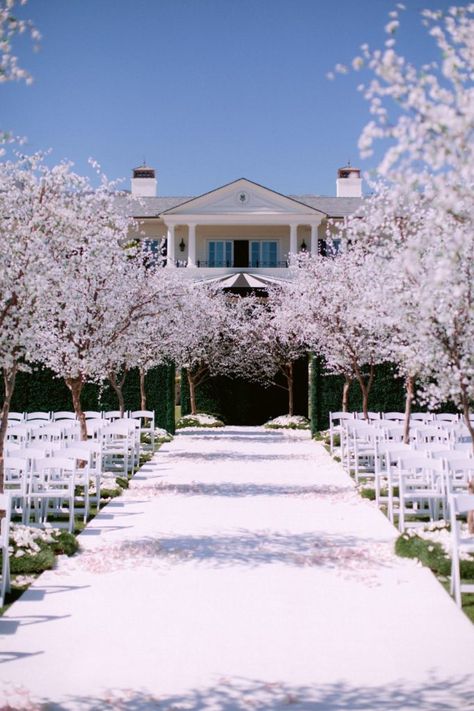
432, 694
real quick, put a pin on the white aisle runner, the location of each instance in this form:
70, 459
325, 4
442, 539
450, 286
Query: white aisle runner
240, 571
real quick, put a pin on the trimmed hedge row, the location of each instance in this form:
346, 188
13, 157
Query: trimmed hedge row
387, 393
239, 402
41, 390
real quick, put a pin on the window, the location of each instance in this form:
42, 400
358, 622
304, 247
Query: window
220, 254
264, 254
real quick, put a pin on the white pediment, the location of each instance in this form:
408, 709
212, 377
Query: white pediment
242, 197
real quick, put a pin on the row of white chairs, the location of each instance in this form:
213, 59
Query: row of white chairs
449, 422
66, 418
49, 470
33, 474
428, 478
112, 446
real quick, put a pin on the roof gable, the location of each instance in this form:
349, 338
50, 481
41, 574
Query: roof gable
242, 196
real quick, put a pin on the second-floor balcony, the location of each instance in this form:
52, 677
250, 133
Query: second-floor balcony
231, 264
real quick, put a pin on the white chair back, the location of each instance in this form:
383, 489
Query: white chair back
46, 416
64, 415
460, 504
5, 506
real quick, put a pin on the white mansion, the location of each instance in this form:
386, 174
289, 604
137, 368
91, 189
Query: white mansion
241, 226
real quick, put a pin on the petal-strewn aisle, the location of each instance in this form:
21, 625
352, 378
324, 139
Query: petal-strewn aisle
240, 571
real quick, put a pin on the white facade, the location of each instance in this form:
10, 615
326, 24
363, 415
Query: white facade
239, 226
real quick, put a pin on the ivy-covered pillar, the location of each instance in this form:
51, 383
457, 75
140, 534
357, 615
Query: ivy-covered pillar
315, 393
160, 386
171, 398
185, 399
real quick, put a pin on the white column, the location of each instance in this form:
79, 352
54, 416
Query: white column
293, 240
171, 247
314, 239
191, 245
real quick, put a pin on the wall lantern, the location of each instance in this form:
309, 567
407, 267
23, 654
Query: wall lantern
181, 245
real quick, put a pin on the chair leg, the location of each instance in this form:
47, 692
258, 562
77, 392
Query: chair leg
7, 572
401, 510
5, 586
456, 579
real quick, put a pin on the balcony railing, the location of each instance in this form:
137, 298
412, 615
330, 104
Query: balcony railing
256, 264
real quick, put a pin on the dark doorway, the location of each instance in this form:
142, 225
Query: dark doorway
240, 402
241, 253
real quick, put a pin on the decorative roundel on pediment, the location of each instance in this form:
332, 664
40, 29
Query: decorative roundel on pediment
242, 197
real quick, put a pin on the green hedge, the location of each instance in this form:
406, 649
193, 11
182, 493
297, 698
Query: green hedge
239, 402
387, 393
41, 390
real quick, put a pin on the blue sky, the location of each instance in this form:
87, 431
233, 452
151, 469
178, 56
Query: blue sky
206, 91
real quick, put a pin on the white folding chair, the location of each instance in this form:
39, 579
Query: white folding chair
31, 416
421, 487
395, 416
386, 454
82, 476
361, 447
424, 417
16, 417
5, 505
16, 478
460, 504
95, 427
117, 447
64, 415
429, 434
53, 432
336, 420
458, 474
92, 451
446, 417
112, 415
393, 432
147, 424
18, 434
52, 485
93, 415
463, 447
371, 416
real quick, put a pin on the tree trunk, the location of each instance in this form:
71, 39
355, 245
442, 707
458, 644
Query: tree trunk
75, 385
410, 390
289, 380
118, 387
9, 376
345, 393
467, 419
192, 392
365, 387
142, 390
466, 410
470, 514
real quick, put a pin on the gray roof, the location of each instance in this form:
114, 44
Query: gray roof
150, 206
333, 206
